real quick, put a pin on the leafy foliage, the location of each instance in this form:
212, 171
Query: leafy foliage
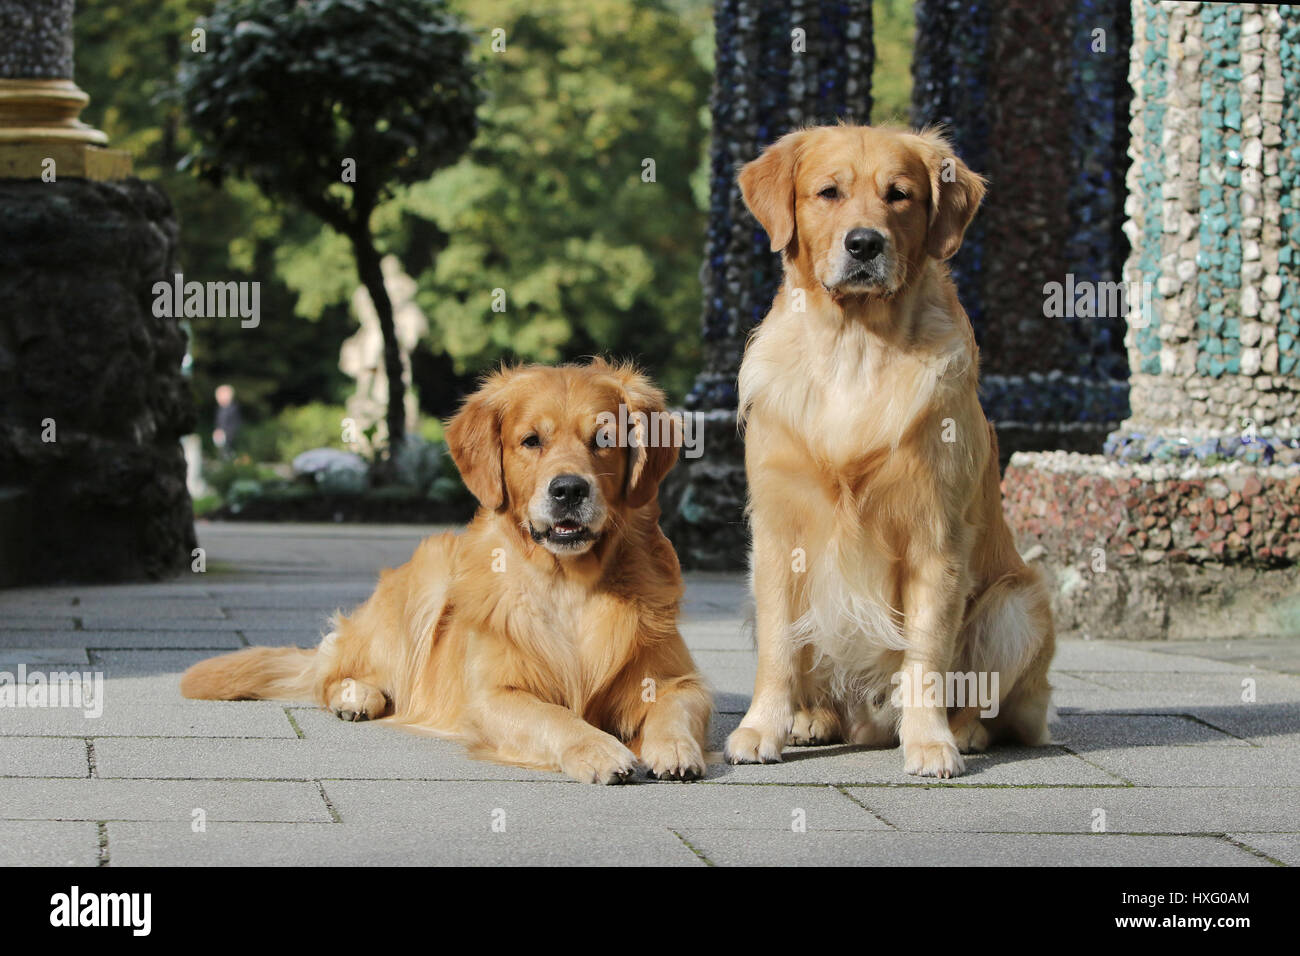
128, 54
891, 80
551, 205
329, 105
290, 89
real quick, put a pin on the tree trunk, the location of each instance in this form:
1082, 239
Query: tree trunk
372, 277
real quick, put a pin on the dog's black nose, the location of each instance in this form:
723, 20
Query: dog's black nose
864, 244
569, 490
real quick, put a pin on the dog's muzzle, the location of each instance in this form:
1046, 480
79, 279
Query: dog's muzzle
566, 519
865, 264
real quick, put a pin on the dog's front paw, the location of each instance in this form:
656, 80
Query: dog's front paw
599, 758
354, 700
972, 738
673, 758
820, 725
933, 758
751, 745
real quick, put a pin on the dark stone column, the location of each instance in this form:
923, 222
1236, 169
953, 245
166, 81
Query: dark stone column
92, 402
779, 66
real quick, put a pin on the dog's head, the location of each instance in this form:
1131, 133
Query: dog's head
545, 445
857, 209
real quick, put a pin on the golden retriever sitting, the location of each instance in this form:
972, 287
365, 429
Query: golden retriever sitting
546, 634
889, 591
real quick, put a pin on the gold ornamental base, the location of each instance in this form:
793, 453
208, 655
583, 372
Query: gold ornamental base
41, 137
70, 161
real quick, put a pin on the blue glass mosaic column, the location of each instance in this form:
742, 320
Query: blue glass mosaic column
780, 65
1035, 95
1215, 229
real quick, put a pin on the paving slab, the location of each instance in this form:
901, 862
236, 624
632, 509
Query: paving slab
1261, 723
735, 848
285, 637
175, 800
126, 621
1240, 687
32, 621
313, 621
60, 653
1284, 848
717, 636
1085, 732
1084, 809
367, 756
130, 715
132, 639
43, 757
566, 806
389, 844
1279, 654
48, 843
842, 764
1113, 656
1277, 766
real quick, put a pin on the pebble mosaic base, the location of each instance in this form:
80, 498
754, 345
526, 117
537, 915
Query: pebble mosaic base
1071, 505
1213, 192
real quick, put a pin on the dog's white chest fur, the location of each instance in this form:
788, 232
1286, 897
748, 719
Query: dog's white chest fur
845, 396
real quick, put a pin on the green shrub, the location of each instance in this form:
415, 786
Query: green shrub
223, 475
294, 431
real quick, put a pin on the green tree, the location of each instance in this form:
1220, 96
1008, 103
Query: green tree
128, 54
891, 79
329, 105
552, 205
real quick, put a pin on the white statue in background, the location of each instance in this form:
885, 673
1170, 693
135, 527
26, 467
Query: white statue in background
362, 356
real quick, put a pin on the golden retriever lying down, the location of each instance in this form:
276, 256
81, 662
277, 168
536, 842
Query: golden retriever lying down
887, 584
546, 634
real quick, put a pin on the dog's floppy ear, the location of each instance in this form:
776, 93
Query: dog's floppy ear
652, 446
474, 439
767, 183
955, 194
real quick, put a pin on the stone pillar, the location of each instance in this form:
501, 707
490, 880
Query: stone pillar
1035, 96
1189, 526
778, 66
92, 402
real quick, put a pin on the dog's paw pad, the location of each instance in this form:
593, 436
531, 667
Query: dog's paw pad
972, 739
934, 759
813, 728
599, 759
748, 745
353, 700
676, 759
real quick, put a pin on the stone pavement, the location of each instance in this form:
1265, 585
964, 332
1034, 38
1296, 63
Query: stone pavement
1155, 744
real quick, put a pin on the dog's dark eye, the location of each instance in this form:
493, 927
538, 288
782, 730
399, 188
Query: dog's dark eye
895, 195
531, 441
830, 192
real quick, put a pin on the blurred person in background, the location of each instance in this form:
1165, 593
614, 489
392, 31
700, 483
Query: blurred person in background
227, 424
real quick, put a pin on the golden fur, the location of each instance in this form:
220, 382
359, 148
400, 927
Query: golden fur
567, 661
879, 543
